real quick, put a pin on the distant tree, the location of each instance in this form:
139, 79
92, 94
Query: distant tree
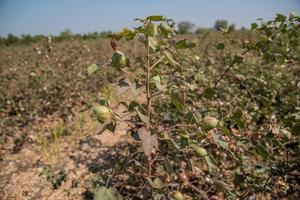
105, 33
185, 27
65, 34
221, 23
39, 37
231, 27
2, 41
201, 30
25, 39
93, 35
78, 35
12, 39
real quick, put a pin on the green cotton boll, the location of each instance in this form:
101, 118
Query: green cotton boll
102, 113
201, 152
210, 122
178, 196
118, 59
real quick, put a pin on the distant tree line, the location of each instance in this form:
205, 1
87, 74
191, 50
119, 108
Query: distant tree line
186, 27
64, 35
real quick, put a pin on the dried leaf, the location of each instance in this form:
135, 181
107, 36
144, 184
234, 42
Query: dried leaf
149, 142
222, 186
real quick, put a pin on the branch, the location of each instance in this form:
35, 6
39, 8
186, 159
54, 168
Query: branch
288, 142
227, 70
157, 62
132, 75
223, 75
248, 90
180, 125
156, 94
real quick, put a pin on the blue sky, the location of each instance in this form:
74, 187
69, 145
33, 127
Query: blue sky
82, 16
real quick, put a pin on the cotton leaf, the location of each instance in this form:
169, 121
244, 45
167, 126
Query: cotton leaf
92, 69
104, 193
170, 58
149, 142
142, 117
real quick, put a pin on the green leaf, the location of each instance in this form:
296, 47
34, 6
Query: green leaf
219, 141
183, 44
177, 102
156, 18
111, 126
58, 179
285, 133
168, 166
261, 150
142, 117
280, 18
129, 34
2, 139
237, 118
253, 26
132, 105
170, 58
209, 92
238, 179
192, 117
103, 101
238, 58
296, 129
124, 82
211, 166
91, 69
156, 80
104, 193
157, 183
140, 19
170, 142
165, 29
153, 44
220, 45
192, 165
151, 29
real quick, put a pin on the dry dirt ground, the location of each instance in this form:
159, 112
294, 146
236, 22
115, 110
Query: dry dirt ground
20, 175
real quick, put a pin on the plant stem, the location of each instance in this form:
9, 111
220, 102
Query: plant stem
227, 69
149, 165
157, 62
132, 75
148, 76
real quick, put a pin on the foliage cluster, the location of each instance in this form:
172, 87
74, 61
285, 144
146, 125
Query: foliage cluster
218, 123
